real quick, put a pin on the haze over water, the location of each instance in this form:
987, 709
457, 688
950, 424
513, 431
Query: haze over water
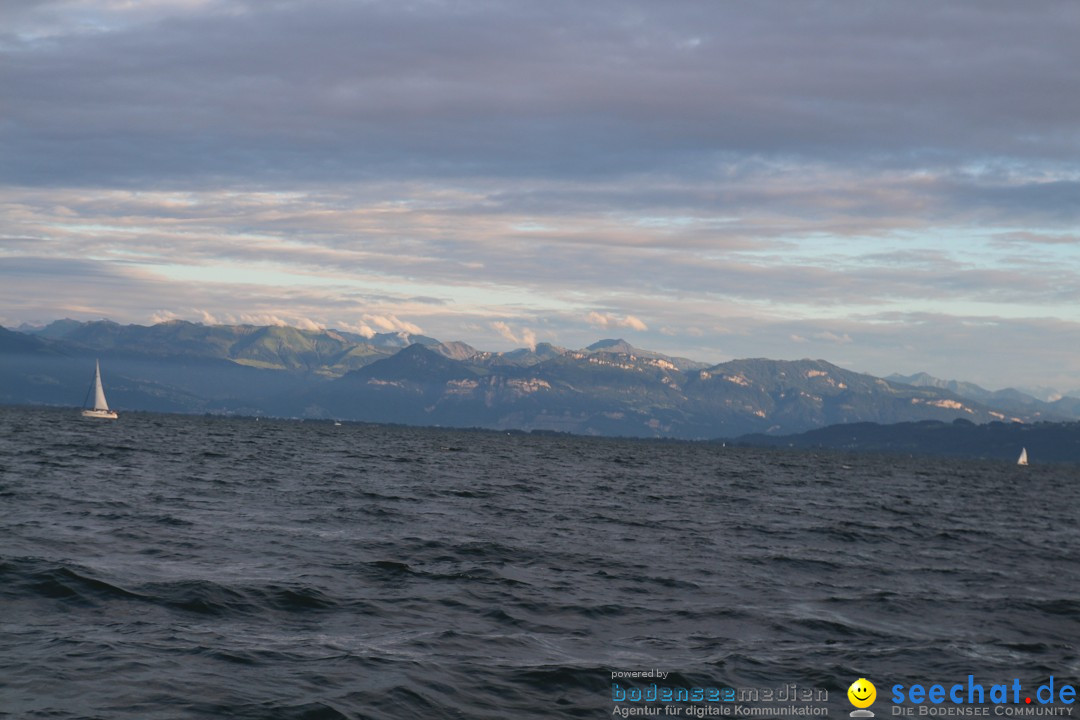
178, 566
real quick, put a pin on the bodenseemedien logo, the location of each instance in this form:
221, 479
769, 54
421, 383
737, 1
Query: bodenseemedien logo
862, 694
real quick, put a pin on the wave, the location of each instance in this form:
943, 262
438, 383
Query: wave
285, 571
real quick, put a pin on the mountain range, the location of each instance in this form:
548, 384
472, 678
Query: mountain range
608, 388
1052, 403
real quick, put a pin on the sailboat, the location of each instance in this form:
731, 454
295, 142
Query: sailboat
101, 408
1023, 457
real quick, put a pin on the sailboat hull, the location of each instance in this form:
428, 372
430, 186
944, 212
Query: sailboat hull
100, 414
101, 409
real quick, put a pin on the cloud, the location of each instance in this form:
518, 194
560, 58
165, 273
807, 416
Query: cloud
162, 316
359, 328
295, 321
288, 91
207, 318
527, 337
1024, 239
827, 336
800, 175
605, 320
390, 323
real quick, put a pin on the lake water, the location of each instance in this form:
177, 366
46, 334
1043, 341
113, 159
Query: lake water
188, 567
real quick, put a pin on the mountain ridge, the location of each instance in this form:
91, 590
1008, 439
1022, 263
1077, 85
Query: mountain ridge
607, 388
1065, 405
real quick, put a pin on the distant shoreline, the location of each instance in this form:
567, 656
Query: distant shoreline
1048, 442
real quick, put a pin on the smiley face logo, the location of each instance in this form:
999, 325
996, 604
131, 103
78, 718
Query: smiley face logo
862, 693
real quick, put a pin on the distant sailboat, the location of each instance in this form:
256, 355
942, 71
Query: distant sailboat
1023, 457
101, 408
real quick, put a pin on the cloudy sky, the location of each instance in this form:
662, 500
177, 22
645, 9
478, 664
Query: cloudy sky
891, 186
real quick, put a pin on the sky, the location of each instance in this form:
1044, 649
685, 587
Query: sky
889, 186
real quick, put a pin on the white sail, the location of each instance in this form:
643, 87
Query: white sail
99, 392
1023, 457
101, 408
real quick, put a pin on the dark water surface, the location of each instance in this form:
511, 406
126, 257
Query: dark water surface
174, 567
